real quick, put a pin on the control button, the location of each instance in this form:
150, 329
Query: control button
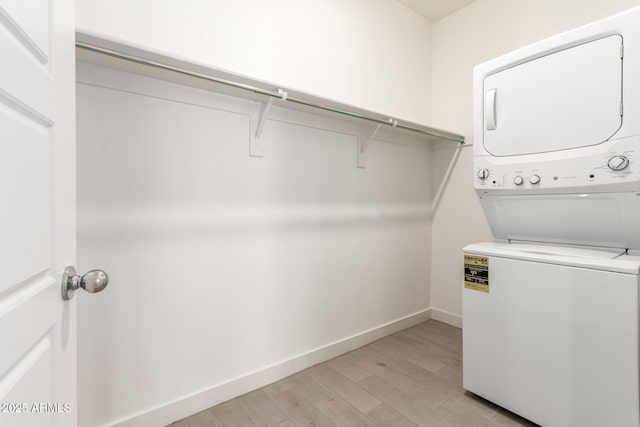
618, 163
534, 179
483, 174
518, 180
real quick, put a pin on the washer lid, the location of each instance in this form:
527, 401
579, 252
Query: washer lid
566, 99
592, 258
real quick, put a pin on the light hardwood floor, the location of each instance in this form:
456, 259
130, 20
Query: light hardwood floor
411, 378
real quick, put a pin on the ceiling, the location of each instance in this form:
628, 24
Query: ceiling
433, 10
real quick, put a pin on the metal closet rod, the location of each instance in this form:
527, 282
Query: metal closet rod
390, 122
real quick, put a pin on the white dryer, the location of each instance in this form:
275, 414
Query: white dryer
550, 309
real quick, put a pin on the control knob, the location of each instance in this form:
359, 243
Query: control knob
518, 180
618, 163
483, 174
534, 179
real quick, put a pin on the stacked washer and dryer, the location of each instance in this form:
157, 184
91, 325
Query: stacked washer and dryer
550, 327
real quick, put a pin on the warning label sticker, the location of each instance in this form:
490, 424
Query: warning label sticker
476, 272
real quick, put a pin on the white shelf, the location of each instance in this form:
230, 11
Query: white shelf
116, 55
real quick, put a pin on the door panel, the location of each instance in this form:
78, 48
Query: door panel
27, 84
28, 21
30, 382
29, 306
37, 220
26, 227
567, 99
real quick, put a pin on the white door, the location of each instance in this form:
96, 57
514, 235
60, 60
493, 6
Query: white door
567, 99
37, 214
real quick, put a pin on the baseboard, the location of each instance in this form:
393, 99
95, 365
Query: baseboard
446, 317
168, 412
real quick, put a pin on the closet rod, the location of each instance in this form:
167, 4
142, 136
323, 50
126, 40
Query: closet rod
389, 122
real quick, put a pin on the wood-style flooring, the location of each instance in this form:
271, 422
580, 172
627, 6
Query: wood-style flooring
411, 378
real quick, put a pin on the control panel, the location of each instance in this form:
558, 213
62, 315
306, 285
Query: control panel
618, 165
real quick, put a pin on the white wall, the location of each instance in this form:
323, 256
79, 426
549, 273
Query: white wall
225, 267
372, 54
481, 31
229, 272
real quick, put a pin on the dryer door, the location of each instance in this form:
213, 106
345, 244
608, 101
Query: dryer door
568, 99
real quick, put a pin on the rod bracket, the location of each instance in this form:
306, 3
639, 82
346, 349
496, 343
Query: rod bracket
256, 148
283, 93
363, 145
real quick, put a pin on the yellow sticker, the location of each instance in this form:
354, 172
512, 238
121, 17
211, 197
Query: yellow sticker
476, 272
